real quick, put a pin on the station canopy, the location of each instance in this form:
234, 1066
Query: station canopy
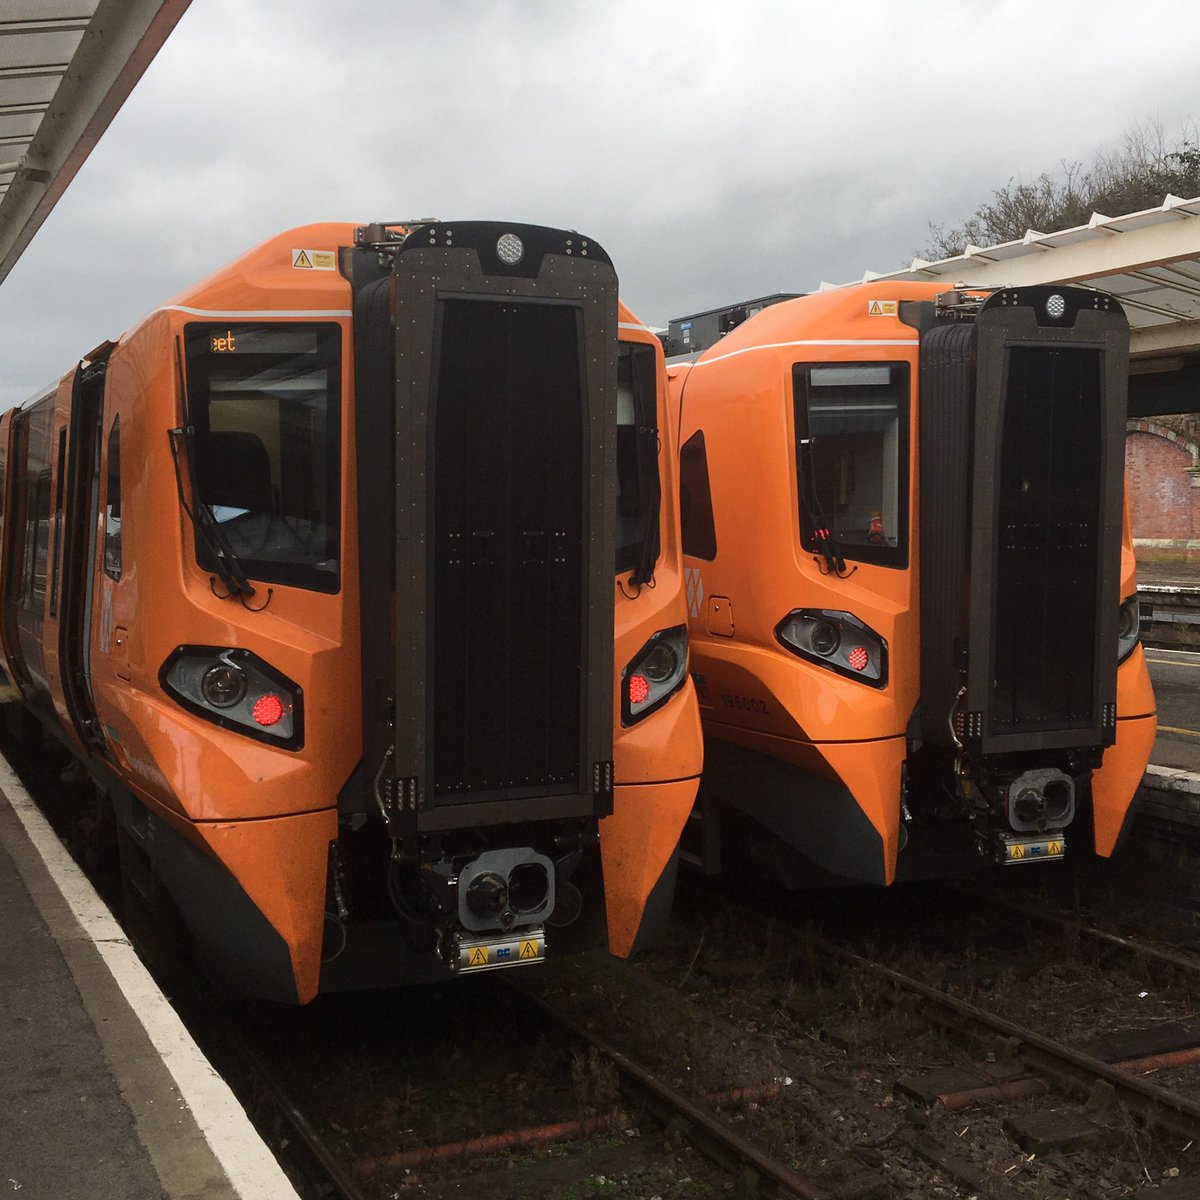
66, 67
1149, 260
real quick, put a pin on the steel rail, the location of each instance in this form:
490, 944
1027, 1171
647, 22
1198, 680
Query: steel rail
713, 1137
1149, 951
337, 1174
921, 1143
1070, 1066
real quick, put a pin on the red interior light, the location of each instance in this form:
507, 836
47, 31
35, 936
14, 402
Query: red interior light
268, 709
858, 657
639, 688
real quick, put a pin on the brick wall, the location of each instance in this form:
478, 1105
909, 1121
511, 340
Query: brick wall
1164, 507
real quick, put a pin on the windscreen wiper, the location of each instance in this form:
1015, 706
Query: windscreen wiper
204, 521
823, 537
206, 525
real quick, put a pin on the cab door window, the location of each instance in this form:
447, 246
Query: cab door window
112, 503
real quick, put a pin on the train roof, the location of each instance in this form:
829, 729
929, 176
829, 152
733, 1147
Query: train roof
868, 312
296, 272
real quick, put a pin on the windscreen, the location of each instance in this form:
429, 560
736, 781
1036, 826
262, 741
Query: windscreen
852, 458
265, 404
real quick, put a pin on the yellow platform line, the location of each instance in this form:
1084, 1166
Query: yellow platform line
1173, 729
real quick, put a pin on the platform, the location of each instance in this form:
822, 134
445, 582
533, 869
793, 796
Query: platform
105, 1096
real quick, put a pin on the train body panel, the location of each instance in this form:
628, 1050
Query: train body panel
822, 536
336, 786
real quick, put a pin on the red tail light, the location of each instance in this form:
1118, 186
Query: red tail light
236, 690
654, 674
837, 641
268, 709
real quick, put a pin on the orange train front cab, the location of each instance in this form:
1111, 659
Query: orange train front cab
911, 598
314, 570
658, 748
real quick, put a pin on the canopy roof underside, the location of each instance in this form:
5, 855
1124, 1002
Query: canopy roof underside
1149, 260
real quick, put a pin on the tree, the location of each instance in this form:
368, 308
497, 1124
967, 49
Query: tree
1145, 168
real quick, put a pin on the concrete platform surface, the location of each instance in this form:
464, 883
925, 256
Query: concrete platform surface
103, 1093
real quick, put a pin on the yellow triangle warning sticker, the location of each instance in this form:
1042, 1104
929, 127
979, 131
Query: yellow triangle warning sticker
529, 950
881, 308
300, 259
876, 309
479, 957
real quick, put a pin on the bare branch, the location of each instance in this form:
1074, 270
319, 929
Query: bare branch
1136, 175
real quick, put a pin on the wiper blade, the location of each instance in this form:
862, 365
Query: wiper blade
823, 537
207, 527
829, 550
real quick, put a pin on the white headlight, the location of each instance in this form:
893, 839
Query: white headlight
1056, 306
510, 249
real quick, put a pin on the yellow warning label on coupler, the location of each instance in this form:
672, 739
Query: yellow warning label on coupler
314, 260
882, 308
490, 952
1032, 849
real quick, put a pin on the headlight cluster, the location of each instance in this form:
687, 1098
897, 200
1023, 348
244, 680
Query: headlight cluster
655, 674
236, 690
1128, 627
838, 641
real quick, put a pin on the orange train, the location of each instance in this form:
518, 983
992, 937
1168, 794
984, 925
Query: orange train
315, 571
910, 577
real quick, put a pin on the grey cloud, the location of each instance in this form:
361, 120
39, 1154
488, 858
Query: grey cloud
718, 151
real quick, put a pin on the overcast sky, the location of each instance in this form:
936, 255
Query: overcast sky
719, 151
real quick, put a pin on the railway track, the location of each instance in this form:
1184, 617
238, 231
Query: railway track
1023, 1070
1049, 1067
326, 1151
747, 1162
313, 1161
1167, 959
323, 1168
1068, 1066
892, 1139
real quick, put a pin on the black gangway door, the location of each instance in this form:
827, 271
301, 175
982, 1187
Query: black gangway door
505, 437
1047, 519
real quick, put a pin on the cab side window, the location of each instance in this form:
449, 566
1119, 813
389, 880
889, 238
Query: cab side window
695, 497
32, 431
112, 504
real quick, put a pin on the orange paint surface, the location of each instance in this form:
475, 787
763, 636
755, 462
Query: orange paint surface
281, 866
1114, 785
636, 843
